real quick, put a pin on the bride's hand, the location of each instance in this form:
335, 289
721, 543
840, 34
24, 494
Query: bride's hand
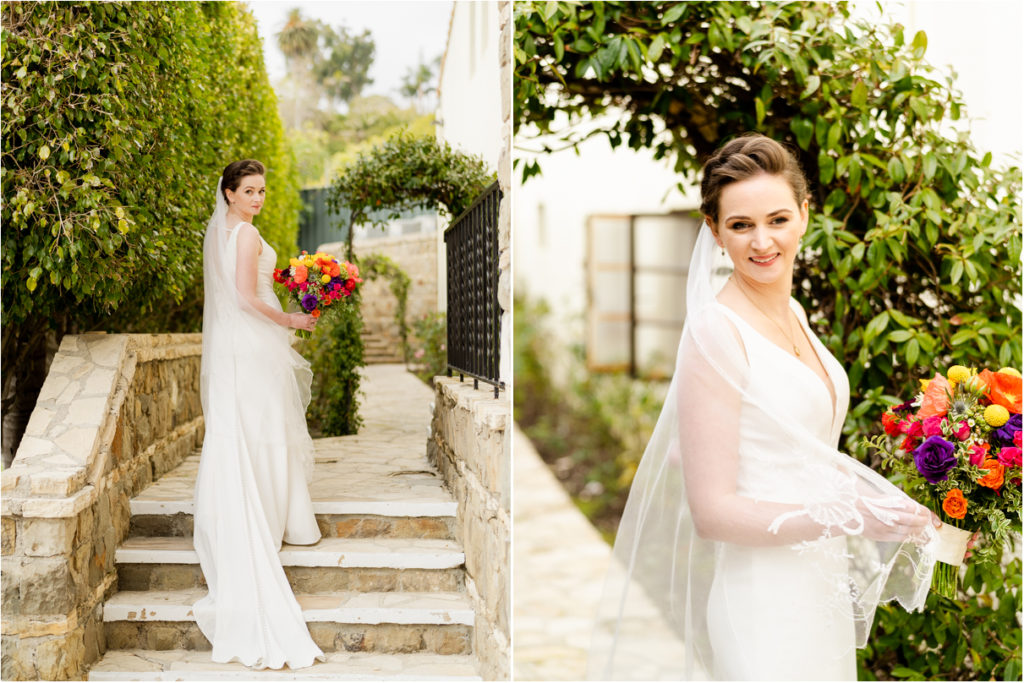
910, 522
302, 321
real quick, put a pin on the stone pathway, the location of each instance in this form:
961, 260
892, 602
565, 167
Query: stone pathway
383, 591
559, 566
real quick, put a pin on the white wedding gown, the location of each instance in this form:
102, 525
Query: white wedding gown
772, 612
251, 490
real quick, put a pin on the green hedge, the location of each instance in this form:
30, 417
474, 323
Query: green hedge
117, 120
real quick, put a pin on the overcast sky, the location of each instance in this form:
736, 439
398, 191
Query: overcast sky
402, 31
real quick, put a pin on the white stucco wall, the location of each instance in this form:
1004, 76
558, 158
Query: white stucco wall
469, 104
473, 116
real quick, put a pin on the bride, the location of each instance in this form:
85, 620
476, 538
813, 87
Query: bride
750, 548
252, 487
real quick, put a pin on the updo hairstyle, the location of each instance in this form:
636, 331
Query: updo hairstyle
745, 157
235, 171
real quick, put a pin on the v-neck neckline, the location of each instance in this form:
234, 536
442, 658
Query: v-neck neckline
831, 392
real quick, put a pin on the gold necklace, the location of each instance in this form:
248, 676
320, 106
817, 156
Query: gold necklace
789, 337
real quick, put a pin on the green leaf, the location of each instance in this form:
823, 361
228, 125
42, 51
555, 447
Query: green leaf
673, 14
813, 82
803, 129
920, 44
859, 96
956, 272
559, 46
900, 336
655, 48
44, 152
759, 110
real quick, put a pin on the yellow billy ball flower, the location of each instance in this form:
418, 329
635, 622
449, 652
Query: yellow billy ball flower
957, 374
996, 415
325, 279
1010, 371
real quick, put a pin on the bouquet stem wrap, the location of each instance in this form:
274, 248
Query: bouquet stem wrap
949, 553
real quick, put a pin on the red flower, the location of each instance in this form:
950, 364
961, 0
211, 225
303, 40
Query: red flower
891, 424
962, 431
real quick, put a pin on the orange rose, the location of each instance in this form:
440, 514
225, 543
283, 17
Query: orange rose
955, 505
936, 398
315, 313
1002, 389
994, 478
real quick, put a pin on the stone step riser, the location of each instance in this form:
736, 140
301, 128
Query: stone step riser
442, 639
331, 526
142, 577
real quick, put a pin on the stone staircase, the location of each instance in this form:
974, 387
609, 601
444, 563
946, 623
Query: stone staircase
382, 592
379, 347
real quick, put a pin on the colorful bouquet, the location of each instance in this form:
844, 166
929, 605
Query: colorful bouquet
318, 283
957, 450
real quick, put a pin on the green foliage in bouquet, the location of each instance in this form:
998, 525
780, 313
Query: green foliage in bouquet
336, 353
406, 172
911, 253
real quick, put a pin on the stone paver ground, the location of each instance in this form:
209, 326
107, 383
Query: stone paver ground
559, 566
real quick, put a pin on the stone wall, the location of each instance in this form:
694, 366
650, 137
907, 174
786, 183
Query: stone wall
470, 444
416, 254
115, 412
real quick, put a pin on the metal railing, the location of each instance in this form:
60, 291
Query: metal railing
474, 316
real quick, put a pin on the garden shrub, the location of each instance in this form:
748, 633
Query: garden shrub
431, 339
374, 266
335, 352
118, 118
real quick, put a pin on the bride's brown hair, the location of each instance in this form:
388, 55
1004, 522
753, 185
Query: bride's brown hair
235, 171
745, 157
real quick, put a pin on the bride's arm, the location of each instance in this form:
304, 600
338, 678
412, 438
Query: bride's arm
709, 420
246, 274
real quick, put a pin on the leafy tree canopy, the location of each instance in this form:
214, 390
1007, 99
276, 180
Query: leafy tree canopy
911, 252
406, 172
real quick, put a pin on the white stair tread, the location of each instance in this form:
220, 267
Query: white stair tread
382, 508
390, 553
351, 477
189, 665
344, 607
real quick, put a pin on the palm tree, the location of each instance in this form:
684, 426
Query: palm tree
298, 40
